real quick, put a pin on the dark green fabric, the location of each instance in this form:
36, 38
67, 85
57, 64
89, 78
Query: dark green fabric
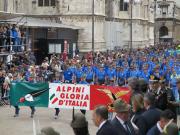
20, 89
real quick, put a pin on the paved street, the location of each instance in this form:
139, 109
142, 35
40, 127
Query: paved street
23, 125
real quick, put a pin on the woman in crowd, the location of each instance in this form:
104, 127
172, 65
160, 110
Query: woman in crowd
137, 119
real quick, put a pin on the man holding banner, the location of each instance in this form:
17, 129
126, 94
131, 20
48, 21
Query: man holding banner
57, 110
17, 109
66, 96
68, 74
83, 81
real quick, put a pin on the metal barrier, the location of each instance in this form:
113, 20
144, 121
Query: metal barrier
3, 100
8, 49
3, 103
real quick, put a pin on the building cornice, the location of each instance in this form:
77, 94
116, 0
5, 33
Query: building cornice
123, 19
59, 15
167, 19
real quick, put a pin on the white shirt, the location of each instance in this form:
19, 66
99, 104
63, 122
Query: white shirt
158, 91
147, 108
7, 80
133, 124
9, 58
159, 127
122, 122
102, 123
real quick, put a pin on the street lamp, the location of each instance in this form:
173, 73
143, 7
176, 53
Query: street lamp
174, 23
5, 5
93, 26
131, 2
153, 7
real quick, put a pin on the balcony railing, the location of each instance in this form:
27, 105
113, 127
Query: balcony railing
164, 15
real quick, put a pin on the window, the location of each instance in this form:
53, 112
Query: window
46, 3
53, 3
40, 3
163, 31
123, 6
164, 10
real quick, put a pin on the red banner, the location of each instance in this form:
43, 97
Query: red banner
87, 97
67, 96
106, 95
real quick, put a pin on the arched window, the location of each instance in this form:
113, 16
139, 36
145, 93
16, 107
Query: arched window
163, 31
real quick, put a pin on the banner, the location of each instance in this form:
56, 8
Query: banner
106, 95
66, 96
29, 94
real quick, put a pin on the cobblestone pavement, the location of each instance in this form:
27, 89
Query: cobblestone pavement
23, 125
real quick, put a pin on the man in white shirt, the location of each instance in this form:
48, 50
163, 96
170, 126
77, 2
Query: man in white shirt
100, 118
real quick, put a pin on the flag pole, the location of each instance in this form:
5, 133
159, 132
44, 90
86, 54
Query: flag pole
73, 114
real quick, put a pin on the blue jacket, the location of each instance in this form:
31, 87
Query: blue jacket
111, 73
78, 73
101, 75
68, 74
154, 131
14, 33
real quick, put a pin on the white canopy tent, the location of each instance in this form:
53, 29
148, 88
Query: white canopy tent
36, 23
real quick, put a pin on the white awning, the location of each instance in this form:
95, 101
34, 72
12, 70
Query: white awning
166, 37
8, 15
36, 23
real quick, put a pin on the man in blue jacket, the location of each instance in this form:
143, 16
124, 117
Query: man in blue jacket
83, 81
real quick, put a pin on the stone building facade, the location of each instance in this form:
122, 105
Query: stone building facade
112, 20
167, 21
72, 12
118, 23
8, 5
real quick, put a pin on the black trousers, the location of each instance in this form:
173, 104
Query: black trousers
101, 82
83, 111
67, 81
89, 80
31, 107
57, 111
78, 80
2, 91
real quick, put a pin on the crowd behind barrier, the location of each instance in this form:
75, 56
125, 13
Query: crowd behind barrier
107, 68
11, 38
151, 73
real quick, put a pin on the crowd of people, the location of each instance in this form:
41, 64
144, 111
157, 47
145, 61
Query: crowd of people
11, 35
103, 68
150, 73
143, 117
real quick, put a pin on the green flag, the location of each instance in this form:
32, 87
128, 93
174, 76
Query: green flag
29, 94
